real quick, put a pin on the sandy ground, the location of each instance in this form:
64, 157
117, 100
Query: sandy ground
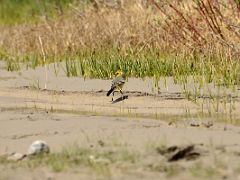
76, 110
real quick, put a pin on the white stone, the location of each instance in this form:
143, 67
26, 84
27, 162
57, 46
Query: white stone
38, 147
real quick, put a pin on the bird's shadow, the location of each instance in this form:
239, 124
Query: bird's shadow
120, 99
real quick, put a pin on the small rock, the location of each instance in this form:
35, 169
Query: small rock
38, 147
194, 124
100, 160
101, 143
16, 157
207, 124
91, 157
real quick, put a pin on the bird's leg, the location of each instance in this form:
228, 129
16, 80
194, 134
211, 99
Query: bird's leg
121, 93
113, 95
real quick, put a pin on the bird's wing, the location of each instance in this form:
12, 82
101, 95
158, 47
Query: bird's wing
118, 81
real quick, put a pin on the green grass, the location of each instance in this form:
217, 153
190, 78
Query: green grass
204, 171
104, 63
30, 11
105, 160
101, 161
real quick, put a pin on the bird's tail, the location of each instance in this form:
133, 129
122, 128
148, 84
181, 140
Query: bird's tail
110, 91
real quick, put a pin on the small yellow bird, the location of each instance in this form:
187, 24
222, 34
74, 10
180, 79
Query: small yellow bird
117, 83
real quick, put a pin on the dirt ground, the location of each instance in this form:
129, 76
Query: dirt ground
76, 110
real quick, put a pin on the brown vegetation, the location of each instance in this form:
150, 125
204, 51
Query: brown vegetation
205, 26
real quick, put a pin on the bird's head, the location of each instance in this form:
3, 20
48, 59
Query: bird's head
119, 72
